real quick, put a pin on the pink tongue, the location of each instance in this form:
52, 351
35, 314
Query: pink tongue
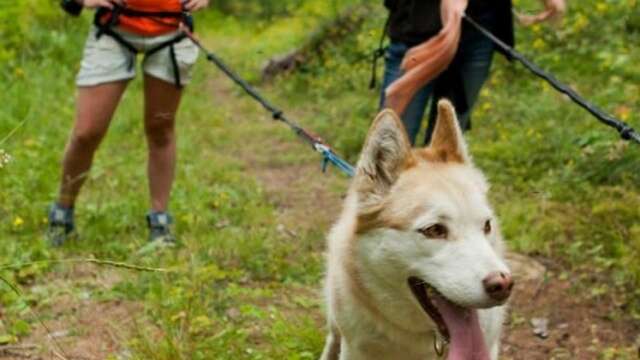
466, 340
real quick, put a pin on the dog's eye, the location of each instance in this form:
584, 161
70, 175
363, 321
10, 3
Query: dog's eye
437, 231
487, 227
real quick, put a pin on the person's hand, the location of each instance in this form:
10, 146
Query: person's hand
194, 5
424, 62
109, 4
554, 10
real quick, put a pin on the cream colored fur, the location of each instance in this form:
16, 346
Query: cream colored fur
375, 246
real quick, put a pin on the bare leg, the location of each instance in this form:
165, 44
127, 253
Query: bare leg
94, 110
161, 103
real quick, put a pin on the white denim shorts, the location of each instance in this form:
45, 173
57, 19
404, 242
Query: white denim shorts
106, 60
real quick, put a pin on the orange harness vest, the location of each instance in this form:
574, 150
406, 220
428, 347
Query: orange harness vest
151, 26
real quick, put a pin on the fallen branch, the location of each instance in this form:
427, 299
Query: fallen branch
90, 261
17, 351
25, 347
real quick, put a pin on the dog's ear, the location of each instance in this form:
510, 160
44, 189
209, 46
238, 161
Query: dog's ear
447, 144
385, 153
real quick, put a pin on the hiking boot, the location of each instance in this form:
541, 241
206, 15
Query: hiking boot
159, 223
61, 225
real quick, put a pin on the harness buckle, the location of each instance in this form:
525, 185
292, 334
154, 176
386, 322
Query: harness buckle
325, 151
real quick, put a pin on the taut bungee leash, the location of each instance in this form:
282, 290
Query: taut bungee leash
328, 155
624, 129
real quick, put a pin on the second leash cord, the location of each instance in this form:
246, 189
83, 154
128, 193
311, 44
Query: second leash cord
625, 131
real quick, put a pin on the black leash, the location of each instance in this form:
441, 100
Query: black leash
329, 156
378, 53
625, 131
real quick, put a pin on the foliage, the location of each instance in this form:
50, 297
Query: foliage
565, 187
25, 26
257, 8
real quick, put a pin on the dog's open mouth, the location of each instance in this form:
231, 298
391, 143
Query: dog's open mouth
424, 293
459, 326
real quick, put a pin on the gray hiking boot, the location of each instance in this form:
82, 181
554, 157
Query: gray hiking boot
61, 225
160, 229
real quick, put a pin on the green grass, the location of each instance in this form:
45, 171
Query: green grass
564, 186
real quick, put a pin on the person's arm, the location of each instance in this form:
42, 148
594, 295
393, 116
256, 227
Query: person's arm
424, 62
195, 5
74, 7
554, 10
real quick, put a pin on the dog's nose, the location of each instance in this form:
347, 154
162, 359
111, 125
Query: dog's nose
498, 285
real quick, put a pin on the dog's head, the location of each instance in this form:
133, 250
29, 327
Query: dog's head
423, 217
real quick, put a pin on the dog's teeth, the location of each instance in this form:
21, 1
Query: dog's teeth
439, 344
442, 339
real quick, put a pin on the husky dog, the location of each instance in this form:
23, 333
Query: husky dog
415, 262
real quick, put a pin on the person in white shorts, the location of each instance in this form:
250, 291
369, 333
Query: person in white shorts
120, 32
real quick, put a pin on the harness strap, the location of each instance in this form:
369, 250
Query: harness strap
113, 20
174, 64
156, 14
106, 28
172, 55
127, 45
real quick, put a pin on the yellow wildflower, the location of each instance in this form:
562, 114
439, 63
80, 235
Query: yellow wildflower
539, 44
580, 23
623, 112
19, 72
602, 7
30, 142
17, 222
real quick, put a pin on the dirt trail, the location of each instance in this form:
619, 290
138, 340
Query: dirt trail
78, 326
578, 326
